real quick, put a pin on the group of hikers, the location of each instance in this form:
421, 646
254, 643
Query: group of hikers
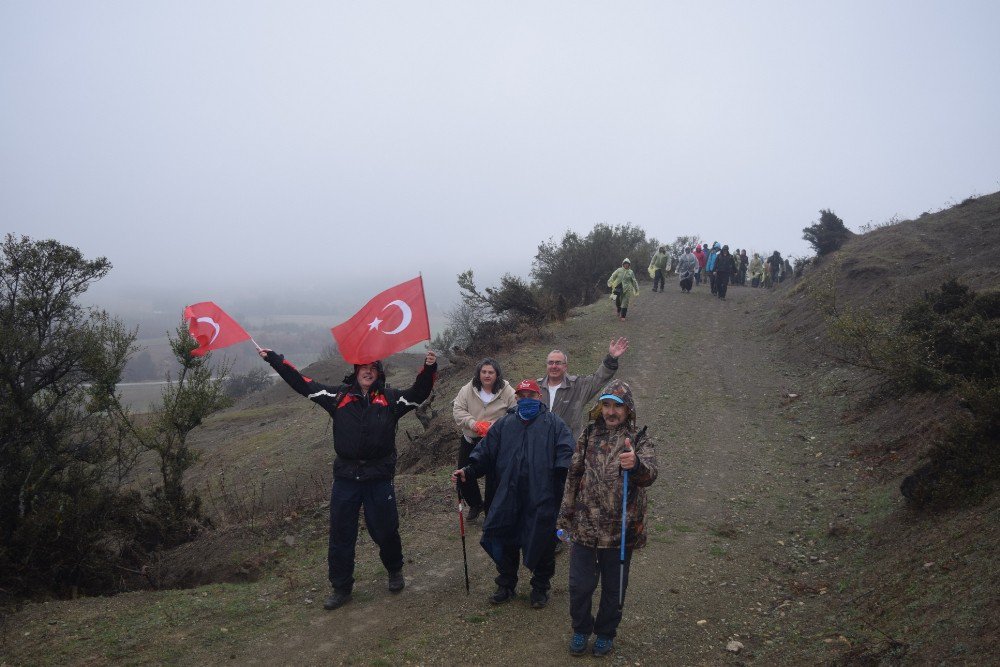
699, 263
553, 464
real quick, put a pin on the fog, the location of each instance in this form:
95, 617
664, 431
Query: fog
301, 157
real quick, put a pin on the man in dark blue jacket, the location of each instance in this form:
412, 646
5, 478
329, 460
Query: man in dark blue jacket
529, 450
365, 412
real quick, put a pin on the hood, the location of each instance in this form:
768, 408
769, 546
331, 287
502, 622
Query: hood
622, 390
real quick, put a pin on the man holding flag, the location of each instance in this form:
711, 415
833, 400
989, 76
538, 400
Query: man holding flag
365, 412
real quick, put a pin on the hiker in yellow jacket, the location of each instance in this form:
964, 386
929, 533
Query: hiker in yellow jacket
624, 286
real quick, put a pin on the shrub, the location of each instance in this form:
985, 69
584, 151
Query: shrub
238, 386
948, 341
577, 268
828, 234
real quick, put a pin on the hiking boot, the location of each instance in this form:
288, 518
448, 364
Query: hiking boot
396, 581
539, 598
474, 512
337, 599
502, 595
578, 644
602, 646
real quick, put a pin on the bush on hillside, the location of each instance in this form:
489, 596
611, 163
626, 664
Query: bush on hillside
576, 268
828, 234
244, 384
948, 341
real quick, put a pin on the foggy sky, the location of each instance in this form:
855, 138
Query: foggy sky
313, 150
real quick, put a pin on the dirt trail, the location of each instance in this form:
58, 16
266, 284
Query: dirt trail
749, 481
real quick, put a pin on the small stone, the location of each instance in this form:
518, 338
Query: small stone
734, 646
930, 564
702, 622
290, 540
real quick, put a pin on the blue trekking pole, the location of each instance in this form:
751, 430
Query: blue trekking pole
621, 555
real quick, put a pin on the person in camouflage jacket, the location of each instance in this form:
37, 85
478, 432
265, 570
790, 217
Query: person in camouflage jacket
591, 512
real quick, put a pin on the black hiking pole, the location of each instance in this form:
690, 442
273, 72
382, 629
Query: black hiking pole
461, 527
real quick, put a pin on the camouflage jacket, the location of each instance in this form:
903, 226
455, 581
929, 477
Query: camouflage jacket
591, 510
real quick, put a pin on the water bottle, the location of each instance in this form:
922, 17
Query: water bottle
563, 535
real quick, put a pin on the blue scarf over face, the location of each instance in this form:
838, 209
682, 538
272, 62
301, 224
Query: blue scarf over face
528, 408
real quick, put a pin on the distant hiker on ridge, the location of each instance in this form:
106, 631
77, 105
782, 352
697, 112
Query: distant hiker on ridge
565, 394
528, 450
725, 266
702, 258
365, 412
658, 265
624, 286
478, 405
687, 267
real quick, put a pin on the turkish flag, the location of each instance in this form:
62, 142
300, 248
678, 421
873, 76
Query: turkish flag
212, 328
391, 322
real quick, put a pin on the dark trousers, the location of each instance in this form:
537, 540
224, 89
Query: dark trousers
721, 284
711, 279
587, 568
697, 277
470, 489
659, 279
541, 576
347, 497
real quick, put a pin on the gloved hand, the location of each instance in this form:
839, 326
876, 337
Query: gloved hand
481, 428
271, 357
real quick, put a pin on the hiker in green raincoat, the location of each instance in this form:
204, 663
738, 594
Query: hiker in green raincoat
624, 286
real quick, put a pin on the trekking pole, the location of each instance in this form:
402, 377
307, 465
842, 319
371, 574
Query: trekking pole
621, 555
461, 527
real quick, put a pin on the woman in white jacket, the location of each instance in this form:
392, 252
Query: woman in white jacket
478, 404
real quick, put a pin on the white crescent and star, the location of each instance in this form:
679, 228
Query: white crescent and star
214, 324
404, 308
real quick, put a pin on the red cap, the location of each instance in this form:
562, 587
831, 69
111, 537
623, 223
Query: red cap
528, 385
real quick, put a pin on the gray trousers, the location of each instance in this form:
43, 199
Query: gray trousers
587, 567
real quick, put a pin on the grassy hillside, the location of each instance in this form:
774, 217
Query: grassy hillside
777, 520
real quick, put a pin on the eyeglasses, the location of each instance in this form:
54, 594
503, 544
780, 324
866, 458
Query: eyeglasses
555, 363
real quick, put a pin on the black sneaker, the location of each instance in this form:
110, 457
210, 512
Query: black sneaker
474, 512
502, 595
396, 581
337, 599
539, 598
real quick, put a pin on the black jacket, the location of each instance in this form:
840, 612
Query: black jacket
364, 426
530, 460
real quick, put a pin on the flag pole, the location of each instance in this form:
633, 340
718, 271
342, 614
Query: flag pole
420, 274
259, 348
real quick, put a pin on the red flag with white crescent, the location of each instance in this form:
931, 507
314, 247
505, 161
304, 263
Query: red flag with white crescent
212, 328
390, 322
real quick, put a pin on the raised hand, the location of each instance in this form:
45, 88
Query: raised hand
617, 347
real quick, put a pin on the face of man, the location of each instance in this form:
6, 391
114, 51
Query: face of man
614, 413
555, 367
367, 374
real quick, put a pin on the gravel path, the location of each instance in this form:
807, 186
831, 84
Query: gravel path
750, 482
